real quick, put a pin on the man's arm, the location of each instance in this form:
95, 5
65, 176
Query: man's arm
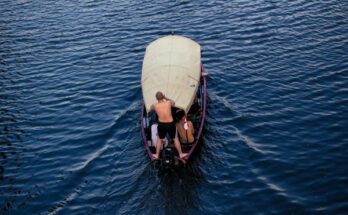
171, 101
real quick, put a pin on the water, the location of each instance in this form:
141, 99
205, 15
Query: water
275, 139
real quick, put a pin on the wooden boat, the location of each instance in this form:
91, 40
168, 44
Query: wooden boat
172, 65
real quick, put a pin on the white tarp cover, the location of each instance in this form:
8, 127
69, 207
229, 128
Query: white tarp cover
172, 65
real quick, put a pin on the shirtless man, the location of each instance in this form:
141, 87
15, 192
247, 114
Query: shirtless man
165, 123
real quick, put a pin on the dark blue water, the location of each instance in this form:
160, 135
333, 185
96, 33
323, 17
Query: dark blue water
275, 139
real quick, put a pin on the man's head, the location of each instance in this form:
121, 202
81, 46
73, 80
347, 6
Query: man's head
159, 96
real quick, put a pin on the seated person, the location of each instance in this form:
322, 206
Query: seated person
185, 128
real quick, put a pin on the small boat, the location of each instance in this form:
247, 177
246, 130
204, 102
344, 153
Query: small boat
172, 65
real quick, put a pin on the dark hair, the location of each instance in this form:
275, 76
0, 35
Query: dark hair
180, 114
159, 95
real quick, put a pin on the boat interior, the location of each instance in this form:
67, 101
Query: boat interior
194, 115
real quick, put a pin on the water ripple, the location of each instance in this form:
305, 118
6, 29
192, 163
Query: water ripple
70, 103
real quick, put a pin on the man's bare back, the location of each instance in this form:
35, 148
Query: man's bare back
164, 111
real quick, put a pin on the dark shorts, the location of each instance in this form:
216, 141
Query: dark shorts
165, 128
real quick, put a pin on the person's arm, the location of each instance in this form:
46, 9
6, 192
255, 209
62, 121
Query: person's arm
171, 101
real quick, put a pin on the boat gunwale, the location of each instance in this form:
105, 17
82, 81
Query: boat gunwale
202, 118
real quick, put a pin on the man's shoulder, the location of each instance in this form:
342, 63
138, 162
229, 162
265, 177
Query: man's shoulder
170, 102
165, 103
